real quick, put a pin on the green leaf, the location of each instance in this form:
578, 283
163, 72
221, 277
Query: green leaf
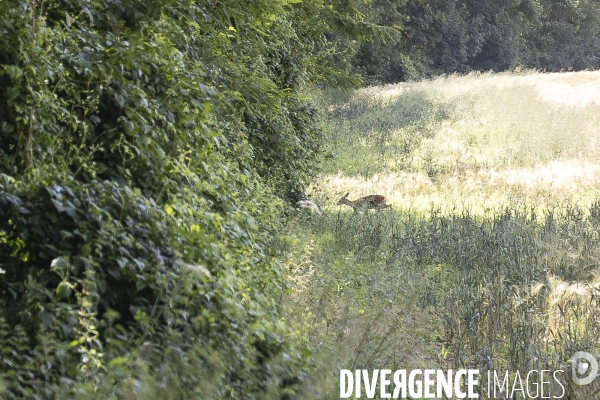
118, 361
86, 250
306, 352
62, 290
59, 263
101, 167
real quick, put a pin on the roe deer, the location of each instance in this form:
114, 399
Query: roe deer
365, 203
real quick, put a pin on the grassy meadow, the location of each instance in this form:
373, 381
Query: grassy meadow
489, 257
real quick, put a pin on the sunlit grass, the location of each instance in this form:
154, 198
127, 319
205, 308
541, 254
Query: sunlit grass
490, 251
481, 140
572, 180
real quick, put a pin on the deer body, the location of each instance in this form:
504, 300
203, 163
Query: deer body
375, 201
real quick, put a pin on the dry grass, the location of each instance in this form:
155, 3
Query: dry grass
506, 137
476, 188
571, 89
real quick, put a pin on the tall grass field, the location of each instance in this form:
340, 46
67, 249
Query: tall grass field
488, 258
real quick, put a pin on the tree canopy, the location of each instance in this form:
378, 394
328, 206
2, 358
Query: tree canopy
434, 37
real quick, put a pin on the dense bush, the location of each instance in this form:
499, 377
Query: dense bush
142, 148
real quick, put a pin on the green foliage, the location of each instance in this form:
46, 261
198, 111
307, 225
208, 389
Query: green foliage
143, 145
266, 109
436, 37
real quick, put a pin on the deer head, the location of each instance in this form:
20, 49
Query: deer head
344, 199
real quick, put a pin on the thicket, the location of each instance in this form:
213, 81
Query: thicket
145, 147
434, 37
